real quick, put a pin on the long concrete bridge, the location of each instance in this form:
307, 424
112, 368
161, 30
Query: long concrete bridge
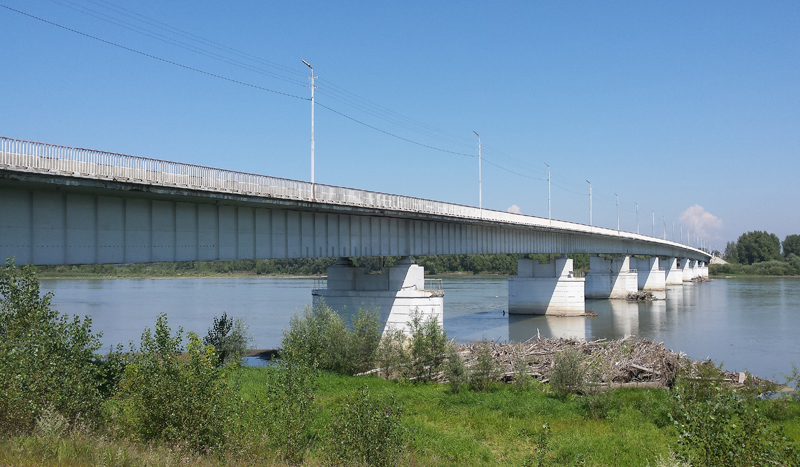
63, 205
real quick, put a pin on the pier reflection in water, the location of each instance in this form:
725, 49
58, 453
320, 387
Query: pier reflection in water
749, 323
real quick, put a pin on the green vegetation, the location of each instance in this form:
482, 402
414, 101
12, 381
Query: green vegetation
440, 264
47, 360
165, 404
229, 337
759, 254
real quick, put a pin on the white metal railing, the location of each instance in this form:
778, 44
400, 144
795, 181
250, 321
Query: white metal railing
433, 284
29, 156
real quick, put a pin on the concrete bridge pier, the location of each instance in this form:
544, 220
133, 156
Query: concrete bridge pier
396, 293
610, 278
688, 265
673, 273
546, 289
652, 277
703, 269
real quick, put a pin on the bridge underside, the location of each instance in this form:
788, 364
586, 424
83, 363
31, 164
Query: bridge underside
47, 219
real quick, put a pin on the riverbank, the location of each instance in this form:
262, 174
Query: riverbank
504, 425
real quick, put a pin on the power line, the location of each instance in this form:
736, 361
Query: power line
153, 56
188, 35
392, 134
171, 41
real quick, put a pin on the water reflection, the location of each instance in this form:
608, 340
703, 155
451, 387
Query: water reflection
749, 323
524, 327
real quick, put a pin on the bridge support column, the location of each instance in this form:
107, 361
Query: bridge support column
396, 293
652, 277
550, 289
687, 265
704, 270
610, 278
674, 275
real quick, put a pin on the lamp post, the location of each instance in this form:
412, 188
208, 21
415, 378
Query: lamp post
549, 212
637, 218
312, 126
654, 224
590, 203
617, 211
480, 195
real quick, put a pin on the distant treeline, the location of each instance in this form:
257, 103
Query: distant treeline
505, 264
760, 253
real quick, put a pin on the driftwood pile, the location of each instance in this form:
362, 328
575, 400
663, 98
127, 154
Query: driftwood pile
625, 362
629, 362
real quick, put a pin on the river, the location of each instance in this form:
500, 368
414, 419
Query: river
749, 324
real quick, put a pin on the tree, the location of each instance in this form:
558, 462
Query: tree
756, 247
730, 253
791, 245
46, 358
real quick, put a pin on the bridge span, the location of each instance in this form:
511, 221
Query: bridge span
64, 205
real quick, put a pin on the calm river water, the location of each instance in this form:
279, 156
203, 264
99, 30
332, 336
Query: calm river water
749, 324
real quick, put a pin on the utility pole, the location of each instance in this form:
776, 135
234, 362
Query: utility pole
549, 212
617, 211
590, 203
480, 194
312, 127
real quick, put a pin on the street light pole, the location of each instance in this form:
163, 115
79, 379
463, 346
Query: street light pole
637, 218
664, 220
549, 212
654, 224
480, 194
590, 203
617, 211
312, 126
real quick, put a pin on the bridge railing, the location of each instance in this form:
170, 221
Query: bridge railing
31, 156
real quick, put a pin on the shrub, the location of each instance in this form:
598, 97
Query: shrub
367, 431
391, 355
455, 370
364, 339
181, 400
428, 347
568, 375
46, 358
321, 336
289, 404
230, 338
699, 380
484, 371
727, 429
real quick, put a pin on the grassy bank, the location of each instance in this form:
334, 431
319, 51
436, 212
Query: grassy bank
506, 425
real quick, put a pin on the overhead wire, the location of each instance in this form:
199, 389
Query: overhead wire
188, 35
171, 41
329, 89
152, 56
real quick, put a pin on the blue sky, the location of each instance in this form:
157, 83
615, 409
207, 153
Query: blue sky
690, 109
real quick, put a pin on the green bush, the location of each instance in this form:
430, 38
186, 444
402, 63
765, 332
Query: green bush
455, 370
428, 347
288, 407
320, 335
485, 371
367, 431
46, 358
230, 338
568, 375
727, 429
174, 398
392, 355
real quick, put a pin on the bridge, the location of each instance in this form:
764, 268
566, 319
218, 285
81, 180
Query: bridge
64, 205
